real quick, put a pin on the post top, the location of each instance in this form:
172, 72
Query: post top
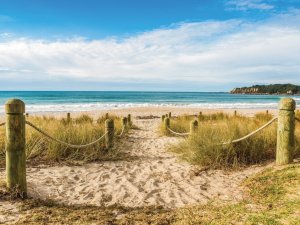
109, 123
15, 106
194, 122
287, 104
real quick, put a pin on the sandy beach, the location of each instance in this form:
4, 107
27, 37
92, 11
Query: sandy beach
140, 112
148, 176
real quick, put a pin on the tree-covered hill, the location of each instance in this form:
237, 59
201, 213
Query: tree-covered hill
268, 89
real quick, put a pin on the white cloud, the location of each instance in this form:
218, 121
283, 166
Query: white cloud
244, 5
213, 51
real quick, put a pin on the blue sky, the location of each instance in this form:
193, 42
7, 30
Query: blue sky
164, 45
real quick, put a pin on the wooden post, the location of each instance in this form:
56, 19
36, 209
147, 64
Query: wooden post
170, 115
129, 119
109, 130
267, 112
106, 116
15, 147
27, 115
68, 117
235, 113
193, 127
200, 116
163, 118
124, 121
167, 123
286, 131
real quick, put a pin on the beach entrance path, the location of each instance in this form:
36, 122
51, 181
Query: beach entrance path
149, 175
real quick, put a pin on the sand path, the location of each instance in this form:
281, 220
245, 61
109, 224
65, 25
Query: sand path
152, 176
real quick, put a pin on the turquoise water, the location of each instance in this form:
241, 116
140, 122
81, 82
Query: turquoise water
60, 101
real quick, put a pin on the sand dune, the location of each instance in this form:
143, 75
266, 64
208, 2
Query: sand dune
152, 177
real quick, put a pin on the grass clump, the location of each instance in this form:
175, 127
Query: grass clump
80, 130
205, 149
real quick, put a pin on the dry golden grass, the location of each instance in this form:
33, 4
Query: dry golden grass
81, 130
204, 147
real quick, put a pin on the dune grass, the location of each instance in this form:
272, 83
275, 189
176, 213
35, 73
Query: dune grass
271, 197
80, 130
204, 147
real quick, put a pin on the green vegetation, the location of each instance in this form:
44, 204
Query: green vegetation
204, 148
80, 130
271, 197
268, 89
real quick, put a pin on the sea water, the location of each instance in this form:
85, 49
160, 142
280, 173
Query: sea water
61, 101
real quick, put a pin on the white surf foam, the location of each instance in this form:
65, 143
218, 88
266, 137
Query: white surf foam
108, 106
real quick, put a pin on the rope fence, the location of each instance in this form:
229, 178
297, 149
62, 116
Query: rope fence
16, 123
62, 142
251, 134
122, 132
179, 134
297, 119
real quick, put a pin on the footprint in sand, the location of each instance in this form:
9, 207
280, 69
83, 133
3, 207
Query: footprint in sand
155, 176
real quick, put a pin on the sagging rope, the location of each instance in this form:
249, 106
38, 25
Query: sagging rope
297, 119
2, 124
251, 134
179, 134
122, 132
62, 142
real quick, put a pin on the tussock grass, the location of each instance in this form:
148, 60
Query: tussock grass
204, 147
80, 130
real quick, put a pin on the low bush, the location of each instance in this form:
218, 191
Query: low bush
81, 130
205, 147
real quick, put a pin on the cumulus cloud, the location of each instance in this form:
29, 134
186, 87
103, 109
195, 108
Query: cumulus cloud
245, 5
200, 52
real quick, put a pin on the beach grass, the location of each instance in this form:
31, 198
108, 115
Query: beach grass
270, 197
80, 130
205, 148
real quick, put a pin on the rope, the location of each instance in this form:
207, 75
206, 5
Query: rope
179, 134
2, 124
251, 134
297, 119
62, 142
120, 135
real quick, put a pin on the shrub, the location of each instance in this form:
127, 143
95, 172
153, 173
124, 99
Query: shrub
205, 149
81, 131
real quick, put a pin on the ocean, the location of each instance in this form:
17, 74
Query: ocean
62, 101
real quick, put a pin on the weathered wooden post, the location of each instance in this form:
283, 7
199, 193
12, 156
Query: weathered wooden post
267, 112
167, 123
129, 119
286, 131
27, 115
106, 116
109, 133
193, 127
170, 115
235, 113
124, 121
68, 117
15, 147
163, 118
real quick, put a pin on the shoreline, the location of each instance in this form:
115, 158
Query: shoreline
155, 111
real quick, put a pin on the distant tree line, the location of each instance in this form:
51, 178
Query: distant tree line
268, 89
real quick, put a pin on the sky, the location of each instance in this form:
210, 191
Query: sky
142, 45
